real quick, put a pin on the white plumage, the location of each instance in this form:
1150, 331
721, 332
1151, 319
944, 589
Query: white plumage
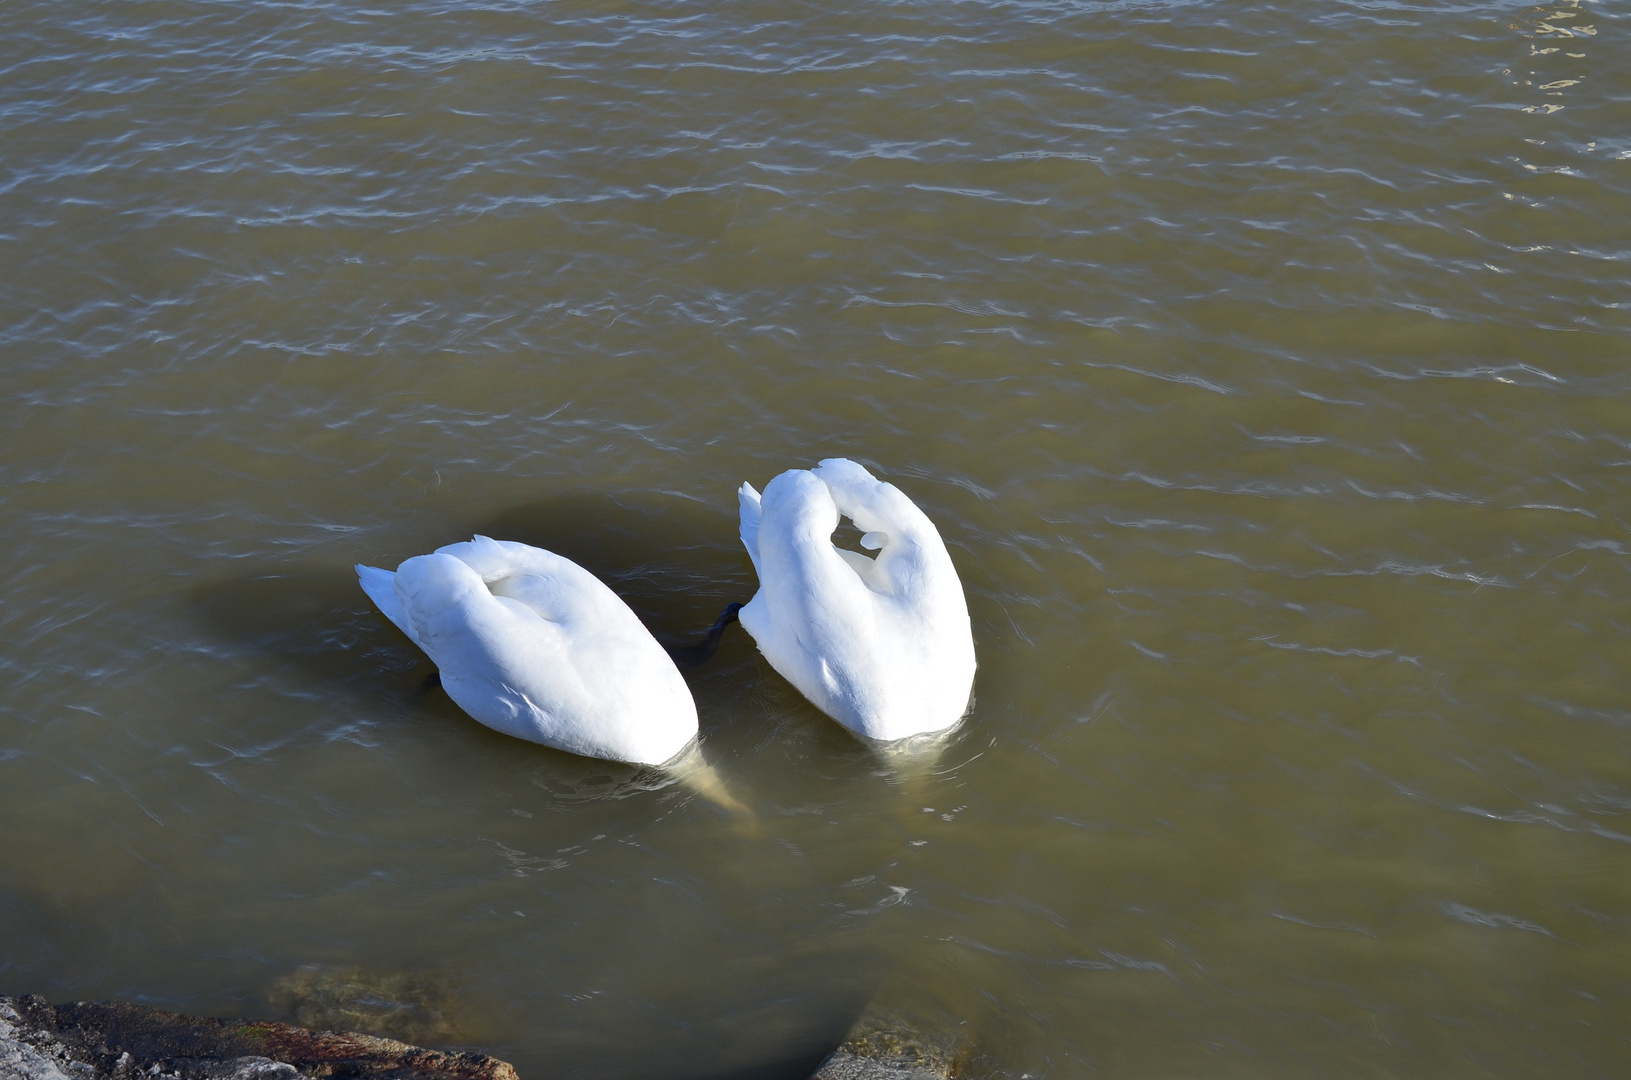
881, 645
533, 645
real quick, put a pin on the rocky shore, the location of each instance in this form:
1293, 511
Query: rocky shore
112, 1040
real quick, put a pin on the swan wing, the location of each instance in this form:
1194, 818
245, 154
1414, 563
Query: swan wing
557, 589
812, 617
545, 651
882, 645
912, 564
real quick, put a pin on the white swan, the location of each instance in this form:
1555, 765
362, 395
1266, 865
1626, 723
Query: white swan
533, 645
881, 645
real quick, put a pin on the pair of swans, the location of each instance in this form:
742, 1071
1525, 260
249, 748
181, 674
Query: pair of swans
533, 645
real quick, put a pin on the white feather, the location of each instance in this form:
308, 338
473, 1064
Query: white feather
881, 645
533, 645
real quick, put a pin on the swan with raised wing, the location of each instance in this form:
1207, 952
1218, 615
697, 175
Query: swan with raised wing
533, 645
882, 645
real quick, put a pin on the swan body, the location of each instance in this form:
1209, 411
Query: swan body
881, 645
533, 645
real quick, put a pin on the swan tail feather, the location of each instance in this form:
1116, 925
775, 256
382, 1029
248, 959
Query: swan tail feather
380, 585
748, 500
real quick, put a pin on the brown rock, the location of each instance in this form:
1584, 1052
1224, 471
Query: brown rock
419, 1008
889, 1049
112, 1040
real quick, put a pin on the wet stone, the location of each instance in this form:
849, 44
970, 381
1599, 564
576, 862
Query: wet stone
888, 1051
110, 1040
411, 1007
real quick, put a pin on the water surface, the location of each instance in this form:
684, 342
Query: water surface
1264, 365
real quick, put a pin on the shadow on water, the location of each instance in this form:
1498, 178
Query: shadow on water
676, 562
797, 1066
803, 1035
431, 1009
313, 617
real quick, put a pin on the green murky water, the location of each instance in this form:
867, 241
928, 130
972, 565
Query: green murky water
1265, 366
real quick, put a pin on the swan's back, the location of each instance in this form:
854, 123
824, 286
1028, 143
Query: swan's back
882, 645
531, 644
